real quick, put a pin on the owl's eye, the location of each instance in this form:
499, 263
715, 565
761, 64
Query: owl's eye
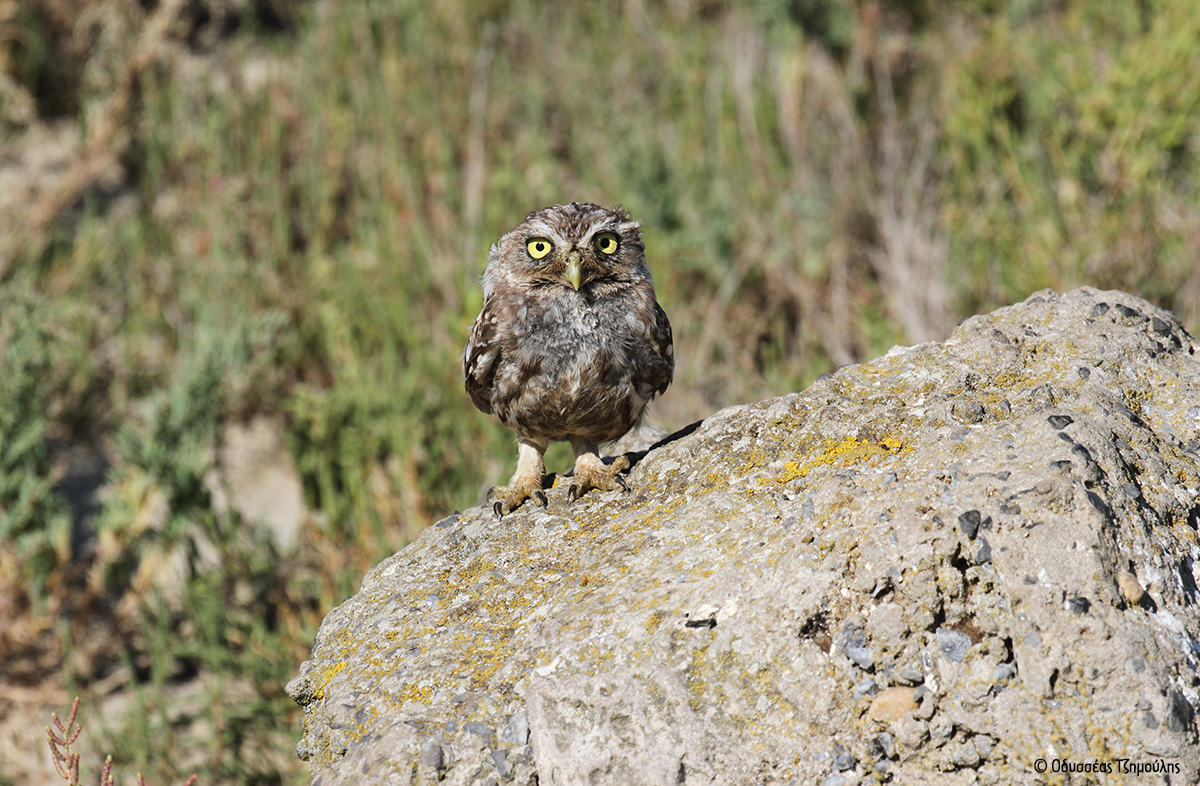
606, 243
538, 247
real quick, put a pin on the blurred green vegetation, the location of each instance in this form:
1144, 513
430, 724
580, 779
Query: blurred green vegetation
282, 208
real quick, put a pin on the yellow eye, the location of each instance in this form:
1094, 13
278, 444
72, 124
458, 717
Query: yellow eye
606, 243
538, 248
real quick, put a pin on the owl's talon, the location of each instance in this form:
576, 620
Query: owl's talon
592, 473
509, 498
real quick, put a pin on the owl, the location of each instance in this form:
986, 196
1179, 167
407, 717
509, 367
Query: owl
570, 345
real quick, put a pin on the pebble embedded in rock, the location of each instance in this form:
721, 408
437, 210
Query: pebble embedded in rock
1131, 313
500, 759
968, 411
516, 731
861, 656
449, 521
855, 645
910, 732
431, 754
842, 759
1131, 588
941, 732
969, 523
984, 555
954, 644
891, 704
928, 706
885, 746
965, 755
865, 688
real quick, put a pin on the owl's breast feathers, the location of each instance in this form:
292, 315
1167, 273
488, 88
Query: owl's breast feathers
584, 365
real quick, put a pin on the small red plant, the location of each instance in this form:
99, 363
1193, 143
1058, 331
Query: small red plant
65, 762
61, 736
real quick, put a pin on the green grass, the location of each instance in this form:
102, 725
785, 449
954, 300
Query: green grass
304, 208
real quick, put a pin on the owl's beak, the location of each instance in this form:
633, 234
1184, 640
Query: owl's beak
574, 272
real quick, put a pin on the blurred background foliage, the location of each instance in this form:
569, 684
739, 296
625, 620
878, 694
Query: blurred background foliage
218, 214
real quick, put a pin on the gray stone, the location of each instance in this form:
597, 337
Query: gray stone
1003, 673
842, 759
861, 656
431, 754
965, 755
885, 745
516, 731
954, 644
577, 614
865, 688
984, 554
969, 523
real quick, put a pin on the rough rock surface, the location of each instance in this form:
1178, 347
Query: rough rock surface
937, 567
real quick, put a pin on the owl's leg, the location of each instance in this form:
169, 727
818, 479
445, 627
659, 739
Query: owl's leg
526, 482
592, 473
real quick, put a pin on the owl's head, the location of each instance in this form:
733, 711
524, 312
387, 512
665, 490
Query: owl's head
579, 246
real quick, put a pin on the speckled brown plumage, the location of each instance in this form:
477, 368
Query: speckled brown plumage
571, 343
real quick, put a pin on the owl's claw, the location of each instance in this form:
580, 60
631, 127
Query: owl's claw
594, 474
509, 498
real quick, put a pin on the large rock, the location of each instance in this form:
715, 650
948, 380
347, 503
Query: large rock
943, 566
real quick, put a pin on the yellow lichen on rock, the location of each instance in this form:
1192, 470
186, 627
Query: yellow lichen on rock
850, 450
325, 676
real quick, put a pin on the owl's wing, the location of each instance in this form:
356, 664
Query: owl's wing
653, 377
479, 358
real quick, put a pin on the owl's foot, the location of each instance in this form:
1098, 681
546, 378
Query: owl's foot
506, 499
526, 483
592, 473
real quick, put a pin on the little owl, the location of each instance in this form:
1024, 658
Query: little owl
570, 344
